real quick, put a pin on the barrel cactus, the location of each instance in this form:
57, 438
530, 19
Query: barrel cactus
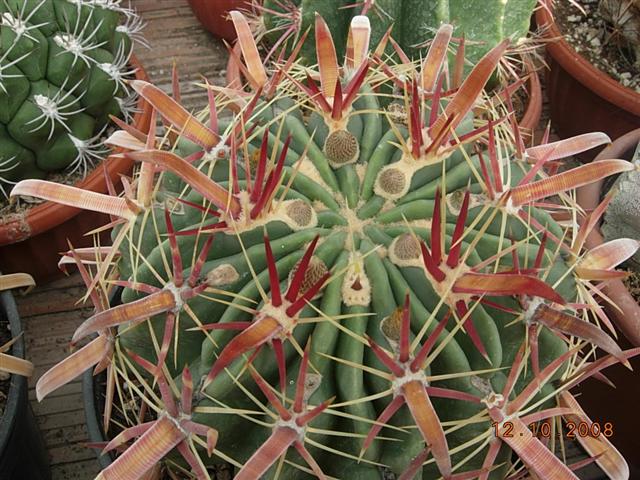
63, 66
484, 24
337, 282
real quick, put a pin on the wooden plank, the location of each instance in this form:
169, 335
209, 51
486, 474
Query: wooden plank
55, 323
64, 403
70, 453
41, 369
40, 349
59, 420
53, 301
83, 470
68, 435
68, 389
59, 284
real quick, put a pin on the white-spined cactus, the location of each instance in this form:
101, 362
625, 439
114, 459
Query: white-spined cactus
63, 66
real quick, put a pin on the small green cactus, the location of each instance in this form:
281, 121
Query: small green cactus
331, 287
483, 23
62, 69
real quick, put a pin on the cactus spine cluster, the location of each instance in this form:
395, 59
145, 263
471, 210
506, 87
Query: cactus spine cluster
63, 65
337, 281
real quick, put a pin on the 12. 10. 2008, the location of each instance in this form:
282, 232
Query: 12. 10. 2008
543, 429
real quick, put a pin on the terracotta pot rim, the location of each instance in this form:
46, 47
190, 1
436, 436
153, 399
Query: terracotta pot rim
47, 215
581, 69
533, 110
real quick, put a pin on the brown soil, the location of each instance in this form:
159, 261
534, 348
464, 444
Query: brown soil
24, 203
596, 39
520, 99
633, 284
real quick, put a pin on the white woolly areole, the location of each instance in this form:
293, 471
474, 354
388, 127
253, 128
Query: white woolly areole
443, 289
279, 314
355, 224
408, 377
454, 201
509, 207
68, 42
307, 168
292, 222
18, 26
404, 170
220, 152
361, 170
292, 425
245, 223
47, 105
354, 275
404, 262
532, 306
493, 400
222, 275
312, 382
111, 69
408, 166
176, 422
80, 144
177, 296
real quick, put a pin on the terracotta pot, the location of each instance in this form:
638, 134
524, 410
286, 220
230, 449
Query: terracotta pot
533, 110
213, 14
582, 98
627, 315
621, 403
31, 241
234, 76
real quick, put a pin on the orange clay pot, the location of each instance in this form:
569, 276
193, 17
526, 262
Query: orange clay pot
213, 14
627, 315
583, 99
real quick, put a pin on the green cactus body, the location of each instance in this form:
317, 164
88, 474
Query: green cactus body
356, 278
62, 65
484, 23
366, 241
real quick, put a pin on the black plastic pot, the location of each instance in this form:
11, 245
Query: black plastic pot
93, 417
22, 452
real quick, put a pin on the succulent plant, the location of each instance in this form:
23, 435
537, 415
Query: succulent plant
336, 288
484, 24
62, 69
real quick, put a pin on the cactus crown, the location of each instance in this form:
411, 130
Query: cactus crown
63, 66
354, 309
